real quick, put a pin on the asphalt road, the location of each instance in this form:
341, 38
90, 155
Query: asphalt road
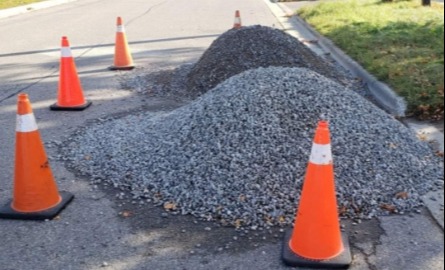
92, 233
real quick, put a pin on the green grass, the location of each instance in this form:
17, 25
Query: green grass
14, 3
401, 43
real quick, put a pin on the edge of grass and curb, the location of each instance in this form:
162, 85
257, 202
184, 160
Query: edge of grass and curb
399, 42
9, 12
384, 95
321, 45
381, 92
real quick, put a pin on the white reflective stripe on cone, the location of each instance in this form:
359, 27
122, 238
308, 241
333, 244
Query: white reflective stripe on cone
321, 154
120, 29
66, 52
26, 123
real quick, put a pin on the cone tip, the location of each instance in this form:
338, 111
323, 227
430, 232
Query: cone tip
23, 104
323, 124
119, 21
65, 42
23, 97
322, 134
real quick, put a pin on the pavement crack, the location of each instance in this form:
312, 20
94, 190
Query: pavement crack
150, 9
370, 265
375, 244
366, 241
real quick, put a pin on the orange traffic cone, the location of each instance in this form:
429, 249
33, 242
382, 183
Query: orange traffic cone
35, 192
122, 56
70, 94
316, 240
237, 24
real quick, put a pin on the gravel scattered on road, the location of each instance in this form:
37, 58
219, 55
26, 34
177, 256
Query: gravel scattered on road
238, 153
160, 82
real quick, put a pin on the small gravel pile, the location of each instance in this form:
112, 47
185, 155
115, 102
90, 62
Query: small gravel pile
238, 154
252, 47
159, 82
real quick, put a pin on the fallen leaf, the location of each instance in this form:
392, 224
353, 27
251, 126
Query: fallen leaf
126, 214
268, 219
422, 137
238, 223
439, 154
392, 146
402, 195
343, 210
388, 207
170, 206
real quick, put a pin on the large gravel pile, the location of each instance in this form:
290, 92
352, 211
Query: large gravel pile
238, 154
252, 47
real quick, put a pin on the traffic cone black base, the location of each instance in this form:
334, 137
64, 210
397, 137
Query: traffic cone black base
343, 261
121, 68
56, 107
7, 212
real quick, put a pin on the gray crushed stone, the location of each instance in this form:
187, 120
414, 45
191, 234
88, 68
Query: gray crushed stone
238, 154
160, 82
234, 52
239, 50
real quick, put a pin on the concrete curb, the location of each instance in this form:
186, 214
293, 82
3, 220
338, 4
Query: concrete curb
383, 94
380, 91
5, 13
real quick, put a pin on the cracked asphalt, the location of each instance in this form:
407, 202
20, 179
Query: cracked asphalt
101, 231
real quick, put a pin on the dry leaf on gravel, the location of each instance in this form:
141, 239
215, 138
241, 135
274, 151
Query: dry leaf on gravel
169, 206
388, 207
402, 195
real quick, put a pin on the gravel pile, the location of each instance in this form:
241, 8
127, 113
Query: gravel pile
159, 82
238, 154
253, 47
232, 53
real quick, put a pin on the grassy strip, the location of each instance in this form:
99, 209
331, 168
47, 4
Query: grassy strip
15, 3
401, 43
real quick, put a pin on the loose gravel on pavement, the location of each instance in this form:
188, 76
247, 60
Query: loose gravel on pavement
238, 153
